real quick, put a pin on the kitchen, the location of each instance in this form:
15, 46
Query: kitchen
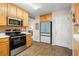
14, 20
26, 30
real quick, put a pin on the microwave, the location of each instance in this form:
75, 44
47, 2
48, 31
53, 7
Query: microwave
15, 22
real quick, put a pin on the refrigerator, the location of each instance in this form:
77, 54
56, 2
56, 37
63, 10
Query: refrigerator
46, 32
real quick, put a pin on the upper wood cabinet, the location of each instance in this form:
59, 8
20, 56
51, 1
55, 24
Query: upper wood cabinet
46, 17
25, 19
42, 18
3, 14
19, 13
76, 9
11, 10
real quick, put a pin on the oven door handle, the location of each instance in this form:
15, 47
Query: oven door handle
16, 37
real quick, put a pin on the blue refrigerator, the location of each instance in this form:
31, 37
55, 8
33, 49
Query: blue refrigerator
46, 32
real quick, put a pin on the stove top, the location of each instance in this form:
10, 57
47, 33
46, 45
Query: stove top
16, 35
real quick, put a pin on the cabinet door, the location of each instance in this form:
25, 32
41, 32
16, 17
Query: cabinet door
19, 13
25, 23
28, 41
43, 18
4, 47
76, 7
77, 15
11, 10
76, 48
46, 17
0, 51
3, 14
25, 19
49, 17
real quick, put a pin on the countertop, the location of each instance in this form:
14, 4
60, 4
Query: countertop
2, 35
25, 33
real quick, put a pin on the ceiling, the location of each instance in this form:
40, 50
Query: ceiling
45, 7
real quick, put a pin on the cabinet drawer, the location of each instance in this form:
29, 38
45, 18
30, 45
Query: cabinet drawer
3, 43
29, 35
28, 38
4, 40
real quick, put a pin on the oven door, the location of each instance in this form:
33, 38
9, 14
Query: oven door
17, 42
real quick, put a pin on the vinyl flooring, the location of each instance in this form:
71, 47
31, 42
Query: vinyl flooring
43, 49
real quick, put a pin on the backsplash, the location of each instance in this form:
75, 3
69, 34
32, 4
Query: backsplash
3, 28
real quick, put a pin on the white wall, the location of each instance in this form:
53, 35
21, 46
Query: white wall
62, 29
35, 32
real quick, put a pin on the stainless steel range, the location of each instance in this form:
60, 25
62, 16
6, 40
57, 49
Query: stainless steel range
17, 41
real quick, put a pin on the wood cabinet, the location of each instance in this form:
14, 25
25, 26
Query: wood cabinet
19, 13
42, 18
4, 47
3, 14
28, 40
76, 12
46, 17
11, 10
25, 19
76, 48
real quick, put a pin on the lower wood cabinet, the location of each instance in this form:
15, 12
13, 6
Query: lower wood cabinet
4, 47
76, 48
28, 40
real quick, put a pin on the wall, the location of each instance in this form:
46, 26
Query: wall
3, 28
62, 29
36, 36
